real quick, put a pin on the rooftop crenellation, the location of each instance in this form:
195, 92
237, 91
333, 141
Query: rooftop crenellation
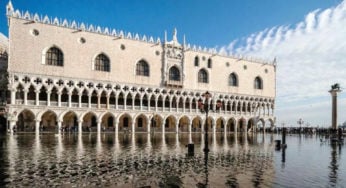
36, 18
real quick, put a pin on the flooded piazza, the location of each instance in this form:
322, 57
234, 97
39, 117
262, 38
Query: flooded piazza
156, 160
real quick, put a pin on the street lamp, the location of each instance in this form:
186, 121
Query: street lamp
300, 123
204, 107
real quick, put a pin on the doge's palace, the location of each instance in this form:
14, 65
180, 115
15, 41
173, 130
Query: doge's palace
69, 76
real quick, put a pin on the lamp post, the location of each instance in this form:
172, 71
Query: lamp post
204, 107
300, 123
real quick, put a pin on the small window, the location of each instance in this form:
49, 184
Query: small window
203, 76
258, 83
35, 32
54, 56
174, 74
196, 61
102, 63
233, 80
142, 68
210, 62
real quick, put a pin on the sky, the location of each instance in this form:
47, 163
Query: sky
307, 38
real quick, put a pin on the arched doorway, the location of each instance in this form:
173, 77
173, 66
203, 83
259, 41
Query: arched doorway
70, 122
242, 125
125, 122
220, 125
250, 125
107, 122
48, 122
141, 123
26, 121
90, 122
231, 125
184, 124
197, 124
156, 123
170, 124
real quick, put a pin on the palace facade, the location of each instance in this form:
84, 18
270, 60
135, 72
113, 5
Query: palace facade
70, 76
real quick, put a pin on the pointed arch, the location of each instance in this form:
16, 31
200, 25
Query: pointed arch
142, 68
174, 74
258, 83
53, 56
196, 62
233, 80
203, 76
102, 63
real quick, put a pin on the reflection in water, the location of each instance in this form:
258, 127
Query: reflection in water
334, 165
99, 150
80, 149
59, 147
106, 160
13, 153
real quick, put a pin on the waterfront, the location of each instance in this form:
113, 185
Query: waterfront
106, 160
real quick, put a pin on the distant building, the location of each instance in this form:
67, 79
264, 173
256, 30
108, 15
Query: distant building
74, 76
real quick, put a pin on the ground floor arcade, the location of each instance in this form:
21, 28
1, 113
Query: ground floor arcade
46, 120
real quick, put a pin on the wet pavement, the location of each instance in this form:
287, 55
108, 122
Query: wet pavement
144, 160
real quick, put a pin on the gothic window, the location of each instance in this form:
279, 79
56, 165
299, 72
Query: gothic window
210, 63
54, 56
142, 68
203, 76
258, 83
174, 74
102, 63
196, 61
233, 80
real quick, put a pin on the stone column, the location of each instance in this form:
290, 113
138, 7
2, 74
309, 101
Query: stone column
69, 99
25, 97
125, 101
184, 101
89, 100
98, 126
190, 127
149, 125
163, 126
116, 102
13, 96
98, 101
37, 95
149, 103
133, 126
177, 126
59, 126
214, 126
48, 98
59, 99
170, 105
37, 126
80, 124
12, 124
141, 104
107, 103
156, 101
334, 93
133, 102
80, 100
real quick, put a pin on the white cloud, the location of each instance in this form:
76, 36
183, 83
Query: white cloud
311, 56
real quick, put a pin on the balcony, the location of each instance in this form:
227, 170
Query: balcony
175, 84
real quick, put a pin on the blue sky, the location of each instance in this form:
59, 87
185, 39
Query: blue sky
307, 38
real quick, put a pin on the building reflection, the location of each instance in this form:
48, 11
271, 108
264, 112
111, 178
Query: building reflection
149, 160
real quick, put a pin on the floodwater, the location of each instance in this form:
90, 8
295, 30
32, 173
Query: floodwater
156, 160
